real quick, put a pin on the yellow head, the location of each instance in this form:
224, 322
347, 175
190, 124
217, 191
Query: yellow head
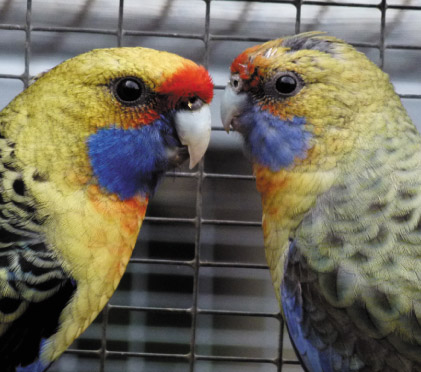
309, 98
116, 117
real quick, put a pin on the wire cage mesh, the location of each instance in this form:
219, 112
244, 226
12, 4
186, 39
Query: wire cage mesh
197, 294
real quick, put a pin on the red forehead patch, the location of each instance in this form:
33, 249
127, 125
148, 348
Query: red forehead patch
188, 81
242, 65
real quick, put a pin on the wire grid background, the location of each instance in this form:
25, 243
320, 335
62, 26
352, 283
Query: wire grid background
197, 294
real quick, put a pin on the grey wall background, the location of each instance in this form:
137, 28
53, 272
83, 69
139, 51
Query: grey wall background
198, 283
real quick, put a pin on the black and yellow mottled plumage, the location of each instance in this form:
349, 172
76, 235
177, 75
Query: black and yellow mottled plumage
33, 283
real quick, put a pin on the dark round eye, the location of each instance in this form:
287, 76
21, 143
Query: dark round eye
286, 84
129, 90
192, 103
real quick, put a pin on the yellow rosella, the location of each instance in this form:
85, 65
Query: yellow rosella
82, 149
338, 165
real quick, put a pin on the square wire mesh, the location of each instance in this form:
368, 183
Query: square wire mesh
197, 295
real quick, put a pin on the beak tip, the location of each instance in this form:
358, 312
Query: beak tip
227, 127
198, 149
194, 131
193, 161
226, 120
232, 105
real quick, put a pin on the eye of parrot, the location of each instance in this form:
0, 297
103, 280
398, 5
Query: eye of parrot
129, 90
284, 84
192, 103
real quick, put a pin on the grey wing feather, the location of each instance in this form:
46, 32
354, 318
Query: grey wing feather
362, 242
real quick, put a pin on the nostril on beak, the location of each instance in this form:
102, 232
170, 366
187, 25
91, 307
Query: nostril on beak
236, 83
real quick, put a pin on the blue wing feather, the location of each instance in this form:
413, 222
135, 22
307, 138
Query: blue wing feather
37, 366
315, 354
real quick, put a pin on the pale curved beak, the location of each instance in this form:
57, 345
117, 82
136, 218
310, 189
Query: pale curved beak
194, 130
233, 104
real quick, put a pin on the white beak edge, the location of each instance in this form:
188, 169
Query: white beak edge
232, 105
194, 130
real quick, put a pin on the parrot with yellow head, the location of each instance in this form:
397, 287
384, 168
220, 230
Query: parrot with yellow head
82, 150
337, 162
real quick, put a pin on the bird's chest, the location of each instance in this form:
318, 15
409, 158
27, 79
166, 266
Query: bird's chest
95, 235
94, 238
286, 199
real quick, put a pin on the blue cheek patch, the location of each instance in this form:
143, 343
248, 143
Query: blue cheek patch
131, 161
273, 142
